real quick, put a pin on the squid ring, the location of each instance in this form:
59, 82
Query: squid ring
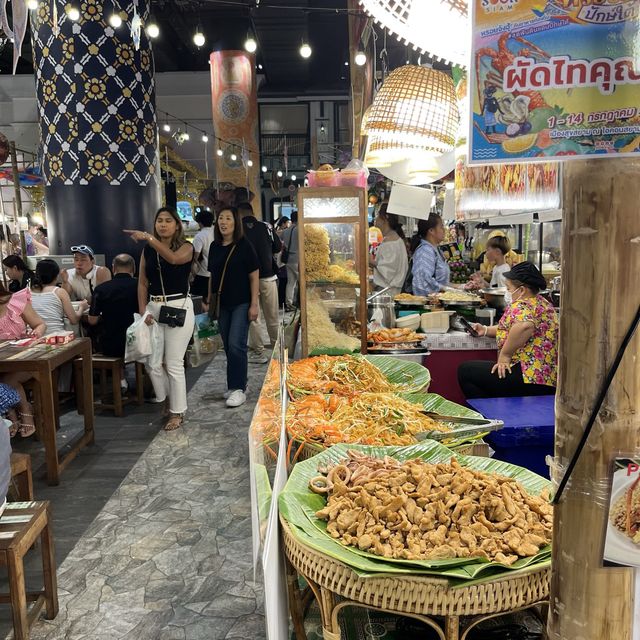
341, 472
320, 484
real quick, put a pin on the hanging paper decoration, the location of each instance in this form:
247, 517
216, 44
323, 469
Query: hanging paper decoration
286, 156
4, 20
20, 16
136, 27
54, 20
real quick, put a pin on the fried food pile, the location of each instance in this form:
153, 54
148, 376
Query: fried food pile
342, 273
394, 335
316, 252
409, 297
458, 296
420, 511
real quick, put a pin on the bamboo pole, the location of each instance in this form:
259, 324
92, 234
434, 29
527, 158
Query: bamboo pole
600, 295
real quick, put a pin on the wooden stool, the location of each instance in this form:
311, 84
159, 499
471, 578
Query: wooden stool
106, 365
21, 472
20, 525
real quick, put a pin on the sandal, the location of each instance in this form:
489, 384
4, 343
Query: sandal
13, 418
174, 422
166, 410
27, 428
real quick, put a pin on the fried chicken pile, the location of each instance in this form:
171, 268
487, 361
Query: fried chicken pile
420, 511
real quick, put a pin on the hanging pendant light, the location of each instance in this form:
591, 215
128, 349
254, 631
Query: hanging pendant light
415, 111
435, 27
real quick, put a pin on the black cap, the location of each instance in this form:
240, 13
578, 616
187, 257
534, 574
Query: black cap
528, 274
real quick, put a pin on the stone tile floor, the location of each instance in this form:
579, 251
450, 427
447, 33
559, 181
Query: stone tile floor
168, 557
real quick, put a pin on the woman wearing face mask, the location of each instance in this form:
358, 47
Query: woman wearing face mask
527, 337
165, 268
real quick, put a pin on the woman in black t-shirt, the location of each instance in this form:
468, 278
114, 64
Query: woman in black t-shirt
165, 267
232, 255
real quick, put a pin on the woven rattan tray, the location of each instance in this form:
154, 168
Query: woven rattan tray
336, 586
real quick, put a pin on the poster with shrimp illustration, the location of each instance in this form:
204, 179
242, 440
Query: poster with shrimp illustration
622, 537
554, 79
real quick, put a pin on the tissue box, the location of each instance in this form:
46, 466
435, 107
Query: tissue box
63, 337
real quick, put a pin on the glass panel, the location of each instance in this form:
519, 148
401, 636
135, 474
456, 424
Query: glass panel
331, 207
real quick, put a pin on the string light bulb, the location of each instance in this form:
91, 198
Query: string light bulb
32, 5
73, 14
166, 126
360, 58
280, 174
264, 169
249, 163
198, 38
233, 157
205, 138
220, 152
305, 50
293, 177
115, 20
186, 136
153, 30
250, 45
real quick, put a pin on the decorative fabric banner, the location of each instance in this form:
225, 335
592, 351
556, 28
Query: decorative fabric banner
235, 120
96, 97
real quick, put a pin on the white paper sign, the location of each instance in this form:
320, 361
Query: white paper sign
414, 202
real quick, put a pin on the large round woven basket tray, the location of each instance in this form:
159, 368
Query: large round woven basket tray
418, 595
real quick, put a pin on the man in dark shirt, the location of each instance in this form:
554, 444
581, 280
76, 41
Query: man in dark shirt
113, 304
266, 245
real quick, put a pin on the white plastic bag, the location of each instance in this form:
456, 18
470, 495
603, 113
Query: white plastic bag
138, 345
157, 346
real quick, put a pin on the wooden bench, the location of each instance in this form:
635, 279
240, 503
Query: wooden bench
21, 474
20, 526
106, 365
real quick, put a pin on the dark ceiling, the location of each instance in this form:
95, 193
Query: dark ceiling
280, 26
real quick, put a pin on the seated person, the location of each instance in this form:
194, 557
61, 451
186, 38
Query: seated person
81, 281
50, 301
497, 249
527, 337
113, 305
18, 272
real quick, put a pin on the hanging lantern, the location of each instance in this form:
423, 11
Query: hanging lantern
436, 27
414, 113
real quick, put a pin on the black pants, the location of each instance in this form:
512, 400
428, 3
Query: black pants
477, 381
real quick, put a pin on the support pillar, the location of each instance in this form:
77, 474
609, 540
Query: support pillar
235, 119
98, 128
601, 264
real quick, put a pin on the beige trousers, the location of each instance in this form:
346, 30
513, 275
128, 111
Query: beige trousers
268, 315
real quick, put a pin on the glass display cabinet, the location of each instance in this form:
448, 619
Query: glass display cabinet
332, 236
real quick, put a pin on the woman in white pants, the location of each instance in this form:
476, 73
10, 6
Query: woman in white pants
165, 266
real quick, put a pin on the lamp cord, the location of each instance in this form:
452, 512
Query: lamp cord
598, 405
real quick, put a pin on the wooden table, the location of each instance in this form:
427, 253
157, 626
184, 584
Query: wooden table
42, 362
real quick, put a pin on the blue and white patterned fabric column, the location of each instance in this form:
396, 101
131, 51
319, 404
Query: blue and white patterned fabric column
96, 101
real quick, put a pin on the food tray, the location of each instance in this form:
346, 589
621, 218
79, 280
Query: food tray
411, 303
398, 352
390, 344
462, 303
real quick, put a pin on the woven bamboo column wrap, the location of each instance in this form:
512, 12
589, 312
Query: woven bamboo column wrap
418, 594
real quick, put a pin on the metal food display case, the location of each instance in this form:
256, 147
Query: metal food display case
333, 251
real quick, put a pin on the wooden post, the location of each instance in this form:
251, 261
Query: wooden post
600, 295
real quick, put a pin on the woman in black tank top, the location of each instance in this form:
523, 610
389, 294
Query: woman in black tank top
165, 266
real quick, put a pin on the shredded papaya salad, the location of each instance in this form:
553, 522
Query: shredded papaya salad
340, 375
379, 419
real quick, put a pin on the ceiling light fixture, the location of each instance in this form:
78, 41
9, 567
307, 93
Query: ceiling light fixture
346, 64
279, 174
264, 169
250, 45
425, 25
360, 58
73, 14
32, 5
293, 177
153, 30
166, 126
198, 37
260, 67
115, 21
205, 138
305, 50
322, 128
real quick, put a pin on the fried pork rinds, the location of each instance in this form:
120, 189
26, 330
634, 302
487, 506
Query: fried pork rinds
421, 511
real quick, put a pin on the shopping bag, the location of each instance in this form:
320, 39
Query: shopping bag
156, 333
206, 341
138, 344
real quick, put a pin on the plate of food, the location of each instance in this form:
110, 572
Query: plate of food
622, 542
459, 298
408, 299
394, 336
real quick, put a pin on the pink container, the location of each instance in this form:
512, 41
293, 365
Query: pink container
353, 179
323, 178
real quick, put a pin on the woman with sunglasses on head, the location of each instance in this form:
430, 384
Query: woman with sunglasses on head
163, 291
233, 292
527, 337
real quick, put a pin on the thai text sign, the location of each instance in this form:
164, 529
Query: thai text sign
554, 78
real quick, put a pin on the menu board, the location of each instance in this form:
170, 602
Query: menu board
554, 79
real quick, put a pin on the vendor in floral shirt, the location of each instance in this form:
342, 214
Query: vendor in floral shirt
527, 337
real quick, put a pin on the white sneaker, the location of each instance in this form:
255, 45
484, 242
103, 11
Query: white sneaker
226, 394
258, 358
236, 398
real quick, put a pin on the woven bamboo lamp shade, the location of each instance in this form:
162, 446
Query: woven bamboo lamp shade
435, 27
414, 113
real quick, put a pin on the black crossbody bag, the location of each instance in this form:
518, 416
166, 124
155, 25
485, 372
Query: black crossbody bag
171, 316
214, 302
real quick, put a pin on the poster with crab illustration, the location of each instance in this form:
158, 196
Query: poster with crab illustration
554, 79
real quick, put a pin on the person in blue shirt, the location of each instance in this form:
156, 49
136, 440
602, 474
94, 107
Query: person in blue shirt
430, 270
